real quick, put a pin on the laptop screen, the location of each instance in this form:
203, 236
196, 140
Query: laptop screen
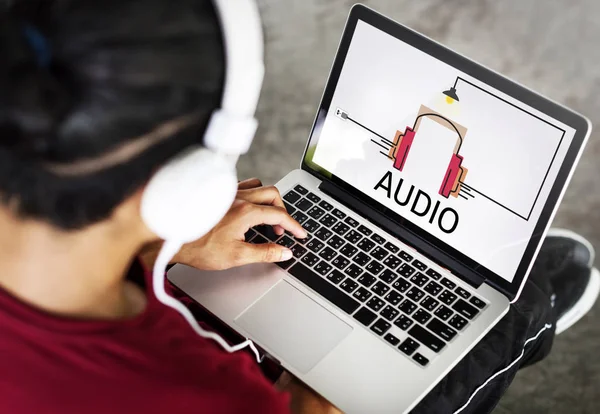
466, 163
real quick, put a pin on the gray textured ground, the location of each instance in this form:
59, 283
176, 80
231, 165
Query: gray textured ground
548, 45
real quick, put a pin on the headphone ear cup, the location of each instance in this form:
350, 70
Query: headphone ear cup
189, 195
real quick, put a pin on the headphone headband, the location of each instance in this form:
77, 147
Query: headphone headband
232, 128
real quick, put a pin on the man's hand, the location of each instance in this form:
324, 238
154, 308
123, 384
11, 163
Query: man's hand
224, 246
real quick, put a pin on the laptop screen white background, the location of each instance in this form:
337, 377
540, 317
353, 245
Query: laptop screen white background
511, 152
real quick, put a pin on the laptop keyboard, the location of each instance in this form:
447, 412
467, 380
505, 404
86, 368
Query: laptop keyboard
375, 281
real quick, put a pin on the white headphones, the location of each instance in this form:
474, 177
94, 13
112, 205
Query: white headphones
190, 194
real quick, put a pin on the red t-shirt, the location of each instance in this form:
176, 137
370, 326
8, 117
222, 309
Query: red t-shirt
154, 363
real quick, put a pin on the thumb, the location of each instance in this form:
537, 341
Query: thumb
263, 253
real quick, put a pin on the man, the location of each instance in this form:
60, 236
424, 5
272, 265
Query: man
81, 329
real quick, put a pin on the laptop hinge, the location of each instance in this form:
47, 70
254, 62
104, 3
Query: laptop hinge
404, 235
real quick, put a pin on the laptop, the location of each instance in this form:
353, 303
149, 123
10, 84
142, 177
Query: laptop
427, 186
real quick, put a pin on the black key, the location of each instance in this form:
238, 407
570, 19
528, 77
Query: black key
325, 205
353, 236
405, 256
403, 322
458, 322
353, 271
301, 189
391, 339
300, 217
421, 316
324, 288
304, 240
462, 293
375, 303
392, 262
310, 225
387, 276
351, 222
365, 230
362, 294
389, 313
377, 238
381, 326
428, 339
465, 309
406, 270
258, 239
443, 312
366, 245
268, 232
419, 279
328, 220
339, 214
315, 245
365, 316
415, 294
374, 267
447, 297
340, 262
392, 248
289, 208
429, 303
419, 265
407, 307
340, 228
421, 360
316, 212
401, 285
310, 259
286, 264
303, 204
292, 197
323, 233
433, 288
477, 302
406, 348
411, 343
379, 253
298, 251
249, 234
449, 284
441, 329
348, 250
349, 285
361, 258
312, 197
433, 274
380, 288
286, 241
323, 268
366, 280
336, 277
336, 242
393, 297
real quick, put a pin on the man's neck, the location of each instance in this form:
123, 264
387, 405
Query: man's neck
78, 274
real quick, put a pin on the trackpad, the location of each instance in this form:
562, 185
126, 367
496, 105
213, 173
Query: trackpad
299, 330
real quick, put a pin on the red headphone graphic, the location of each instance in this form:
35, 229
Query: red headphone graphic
455, 173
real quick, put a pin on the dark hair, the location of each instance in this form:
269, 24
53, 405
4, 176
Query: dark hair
118, 69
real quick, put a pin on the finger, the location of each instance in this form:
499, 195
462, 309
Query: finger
262, 253
274, 216
249, 183
264, 195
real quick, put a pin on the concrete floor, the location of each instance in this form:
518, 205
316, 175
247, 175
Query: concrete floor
548, 45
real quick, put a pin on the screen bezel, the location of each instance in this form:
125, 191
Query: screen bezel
487, 76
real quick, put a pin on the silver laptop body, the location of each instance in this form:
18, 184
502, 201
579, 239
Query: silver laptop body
375, 334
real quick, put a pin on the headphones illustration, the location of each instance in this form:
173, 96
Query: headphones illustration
175, 204
455, 173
